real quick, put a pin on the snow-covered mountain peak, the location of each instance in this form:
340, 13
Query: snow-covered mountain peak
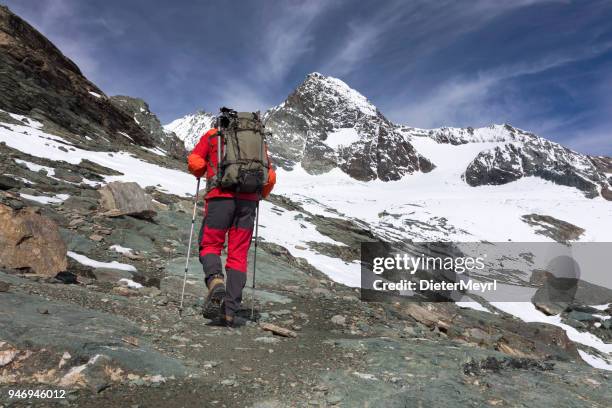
325, 124
332, 91
191, 127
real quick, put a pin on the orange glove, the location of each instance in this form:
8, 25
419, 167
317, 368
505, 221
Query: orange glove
270, 184
196, 165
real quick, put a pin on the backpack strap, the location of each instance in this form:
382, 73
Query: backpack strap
212, 182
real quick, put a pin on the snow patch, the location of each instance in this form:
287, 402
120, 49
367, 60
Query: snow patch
35, 142
342, 137
130, 283
156, 150
470, 304
58, 198
595, 361
289, 229
36, 167
83, 260
120, 249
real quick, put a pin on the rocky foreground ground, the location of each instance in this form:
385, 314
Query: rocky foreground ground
108, 344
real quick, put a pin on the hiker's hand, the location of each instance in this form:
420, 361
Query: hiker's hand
196, 165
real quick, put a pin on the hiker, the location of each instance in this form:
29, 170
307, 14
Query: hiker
234, 188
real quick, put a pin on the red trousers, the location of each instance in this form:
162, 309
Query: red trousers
234, 219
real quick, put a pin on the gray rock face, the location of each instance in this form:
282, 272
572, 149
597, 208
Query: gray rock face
39, 81
559, 230
126, 199
534, 156
604, 165
143, 117
325, 124
7, 183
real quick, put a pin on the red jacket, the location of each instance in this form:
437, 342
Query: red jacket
203, 161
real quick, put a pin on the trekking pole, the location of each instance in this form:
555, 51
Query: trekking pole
195, 206
255, 259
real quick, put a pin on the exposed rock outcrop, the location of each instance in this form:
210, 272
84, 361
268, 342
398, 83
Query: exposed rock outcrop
30, 242
142, 115
126, 199
36, 79
528, 155
559, 230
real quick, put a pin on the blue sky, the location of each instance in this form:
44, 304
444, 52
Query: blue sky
544, 66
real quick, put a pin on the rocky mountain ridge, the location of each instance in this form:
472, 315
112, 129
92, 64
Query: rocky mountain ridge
38, 80
139, 110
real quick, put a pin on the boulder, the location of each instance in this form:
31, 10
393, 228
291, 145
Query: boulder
120, 198
7, 183
31, 241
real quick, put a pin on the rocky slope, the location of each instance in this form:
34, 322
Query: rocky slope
139, 110
38, 80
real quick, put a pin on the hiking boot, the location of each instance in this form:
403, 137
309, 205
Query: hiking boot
225, 319
214, 299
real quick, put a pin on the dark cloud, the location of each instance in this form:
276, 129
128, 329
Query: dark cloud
540, 65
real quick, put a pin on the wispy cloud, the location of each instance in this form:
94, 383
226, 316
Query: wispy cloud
468, 98
424, 26
287, 36
361, 40
240, 96
595, 141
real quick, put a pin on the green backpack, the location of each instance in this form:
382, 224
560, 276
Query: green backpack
244, 165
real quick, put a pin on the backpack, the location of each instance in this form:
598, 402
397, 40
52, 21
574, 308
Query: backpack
244, 164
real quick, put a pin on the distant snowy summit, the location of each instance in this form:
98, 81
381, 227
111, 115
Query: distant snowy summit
190, 128
510, 153
325, 124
